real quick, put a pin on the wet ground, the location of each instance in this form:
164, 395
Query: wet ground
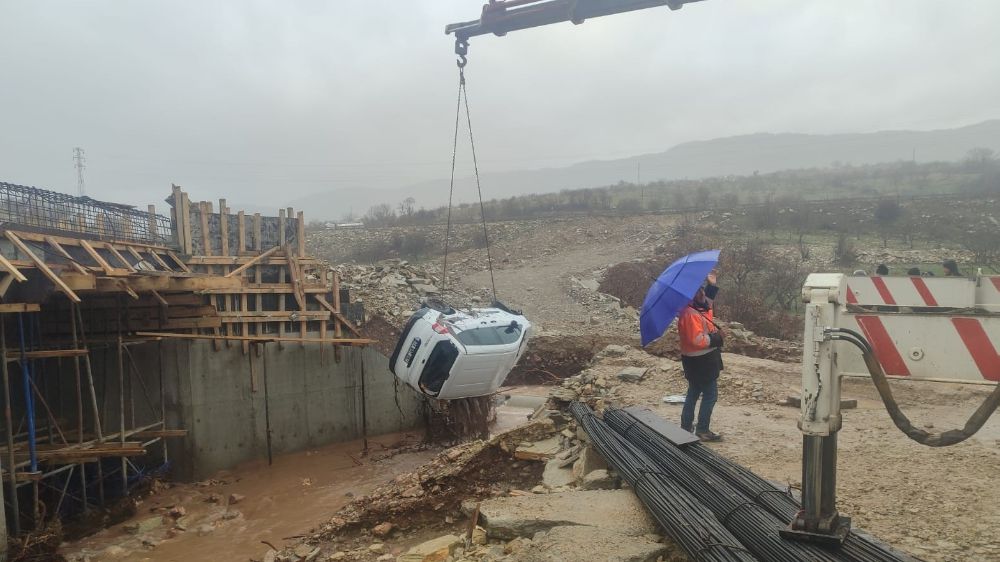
280, 501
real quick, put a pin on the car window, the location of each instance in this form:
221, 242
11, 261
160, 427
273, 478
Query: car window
490, 335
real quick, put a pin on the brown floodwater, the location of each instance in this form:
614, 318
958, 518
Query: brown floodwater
299, 491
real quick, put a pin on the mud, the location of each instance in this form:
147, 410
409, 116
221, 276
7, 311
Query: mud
280, 502
551, 358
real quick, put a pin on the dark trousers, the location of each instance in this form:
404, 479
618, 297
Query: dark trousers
702, 374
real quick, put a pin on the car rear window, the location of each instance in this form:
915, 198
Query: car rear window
490, 335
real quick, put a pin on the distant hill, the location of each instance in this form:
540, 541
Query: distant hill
739, 155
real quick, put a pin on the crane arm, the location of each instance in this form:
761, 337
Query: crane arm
501, 16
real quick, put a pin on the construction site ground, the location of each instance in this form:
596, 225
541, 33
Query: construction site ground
937, 504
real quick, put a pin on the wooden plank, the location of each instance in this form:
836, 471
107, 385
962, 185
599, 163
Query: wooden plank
281, 227
300, 232
163, 302
5, 283
240, 260
79, 281
188, 247
203, 283
296, 274
156, 257
101, 262
75, 242
5, 263
160, 433
270, 289
337, 315
19, 307
127, 289
119, 257
241, 223
224, 226
138, 257
252, 262
260, 339
258, 244
335, 290
22, 248
62, 252
143, 285
46, 354
206, 242
180, 263
274, 315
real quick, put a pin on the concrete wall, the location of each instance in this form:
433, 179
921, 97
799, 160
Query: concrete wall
310, 400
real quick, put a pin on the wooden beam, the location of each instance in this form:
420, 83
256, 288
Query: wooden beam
19, 307
206, 241
258, 243
126, 288
160, 433
138, 257
156, 257
151, 209
269, 289
180, 263
62, 251
5, 283
22, 248
252, 262
241, 223
337, 315
101, 262
188, 247
119, 257
163, 302
281, 227
300, 232
46, 354
240, 260
224, 226
296, 275
273, 315
5, 263
79, 281
259, 339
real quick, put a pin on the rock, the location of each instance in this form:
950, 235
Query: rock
271, 556
386, 557
599, 480
479, 535
236, 498
538, 450
522, 516
632, 374
425, 290
177, 512
515, 546
614, 351
339, 555
589, 461
554, 476
539, 489
382, 529
144, 526
303, 550
566, 543
436, 550
115, 552
214, 498
203, 530
413, 492
376, 547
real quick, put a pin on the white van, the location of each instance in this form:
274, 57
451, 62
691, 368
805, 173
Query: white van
448, 354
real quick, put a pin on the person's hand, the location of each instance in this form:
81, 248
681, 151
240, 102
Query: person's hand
712, 278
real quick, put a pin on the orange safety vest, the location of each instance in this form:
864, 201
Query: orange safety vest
694, 328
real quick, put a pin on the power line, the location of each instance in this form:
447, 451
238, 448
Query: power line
80, 163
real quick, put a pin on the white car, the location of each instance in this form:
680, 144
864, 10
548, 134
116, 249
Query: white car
448, 354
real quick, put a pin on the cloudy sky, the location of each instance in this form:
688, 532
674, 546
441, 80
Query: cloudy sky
267, 101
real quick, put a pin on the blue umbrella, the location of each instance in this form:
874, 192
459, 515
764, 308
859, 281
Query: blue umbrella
672, 291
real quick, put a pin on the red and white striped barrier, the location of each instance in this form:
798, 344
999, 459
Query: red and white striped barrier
952, 292
931, 345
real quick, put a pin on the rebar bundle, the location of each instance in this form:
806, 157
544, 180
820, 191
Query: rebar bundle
719, 476
690, 524
755, 527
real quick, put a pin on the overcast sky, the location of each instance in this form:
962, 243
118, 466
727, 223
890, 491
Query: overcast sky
266, 101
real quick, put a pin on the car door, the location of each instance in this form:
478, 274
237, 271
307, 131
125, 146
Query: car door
489, 355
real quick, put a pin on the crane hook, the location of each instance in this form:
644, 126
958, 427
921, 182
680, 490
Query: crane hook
461, 49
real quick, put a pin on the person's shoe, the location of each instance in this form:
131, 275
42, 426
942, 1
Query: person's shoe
687, 429
708, 436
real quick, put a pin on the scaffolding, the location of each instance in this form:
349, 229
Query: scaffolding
86, 286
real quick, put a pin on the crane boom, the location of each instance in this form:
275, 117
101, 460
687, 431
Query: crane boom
502, 16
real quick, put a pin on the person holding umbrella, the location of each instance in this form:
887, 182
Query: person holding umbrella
682, 290
701, 357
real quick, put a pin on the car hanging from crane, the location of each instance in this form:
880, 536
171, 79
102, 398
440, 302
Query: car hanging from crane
449, 354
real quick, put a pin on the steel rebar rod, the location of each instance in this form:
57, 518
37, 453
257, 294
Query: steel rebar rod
692, 526
780, 503
751, 524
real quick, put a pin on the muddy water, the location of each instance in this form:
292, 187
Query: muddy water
299, 491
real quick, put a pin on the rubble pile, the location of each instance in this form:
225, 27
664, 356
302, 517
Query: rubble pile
629, 376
